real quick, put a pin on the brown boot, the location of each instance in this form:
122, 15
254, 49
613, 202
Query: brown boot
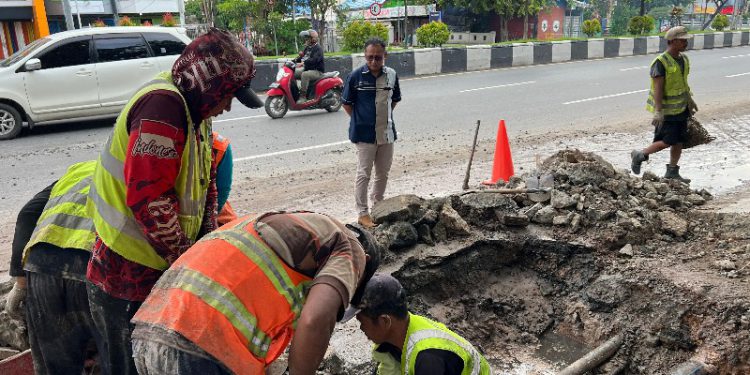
366, 221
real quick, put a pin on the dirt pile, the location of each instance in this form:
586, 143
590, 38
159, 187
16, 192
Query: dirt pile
604, 253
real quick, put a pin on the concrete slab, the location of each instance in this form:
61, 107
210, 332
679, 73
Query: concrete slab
596, 48
627, 47
561, 51
523, 54
428, 61
652, 44
478, 57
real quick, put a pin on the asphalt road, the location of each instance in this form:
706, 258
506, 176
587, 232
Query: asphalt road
444, 107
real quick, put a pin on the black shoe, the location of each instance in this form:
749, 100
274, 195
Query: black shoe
673, 172
636, 158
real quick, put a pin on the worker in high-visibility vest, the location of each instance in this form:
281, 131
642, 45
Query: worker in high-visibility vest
154, 188
406, 343
51, 248
238, 297
671, 102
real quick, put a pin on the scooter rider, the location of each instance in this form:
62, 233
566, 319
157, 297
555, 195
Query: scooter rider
310, 64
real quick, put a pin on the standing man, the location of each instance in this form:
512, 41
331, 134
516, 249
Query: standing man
311, 64
671, 102
154, 189
51, 248
240, 295
370, 95
407, 343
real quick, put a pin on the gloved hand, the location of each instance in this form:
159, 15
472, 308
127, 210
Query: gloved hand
14, 300
658, 119
692, 107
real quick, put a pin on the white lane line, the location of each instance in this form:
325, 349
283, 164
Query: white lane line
605, 97
499, 86
634, 68
238, 118
737, 75
277, 153
735, 56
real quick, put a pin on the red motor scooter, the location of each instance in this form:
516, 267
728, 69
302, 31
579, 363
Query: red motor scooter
324, 93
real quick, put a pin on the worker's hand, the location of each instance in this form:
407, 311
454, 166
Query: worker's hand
300, 65
692, 107
658, 119
15, 299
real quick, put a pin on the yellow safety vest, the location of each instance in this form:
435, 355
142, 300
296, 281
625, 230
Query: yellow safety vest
676, 89
64, 221
114, 221
423, 334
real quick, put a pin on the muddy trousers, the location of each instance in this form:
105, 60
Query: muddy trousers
371, 155
112, 319
59, 323
154, 358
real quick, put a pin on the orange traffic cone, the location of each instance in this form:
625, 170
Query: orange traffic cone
502, 166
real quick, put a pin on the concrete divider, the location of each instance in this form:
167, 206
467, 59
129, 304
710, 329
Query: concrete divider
708, 41
265, 74
652, 44
428, 61
640, 45
501, 56
342, 64
611, 47
358, 59
561, 51
453, 60
736, 39
402, 62
542, 53
745, 38
579, 50
596, 48
627, 46
478, 57
523, 54
696, 42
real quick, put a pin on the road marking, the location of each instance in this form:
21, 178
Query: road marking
238, 118
499, 86
605, 96
277, 153
737, 75
634, 68
735, 56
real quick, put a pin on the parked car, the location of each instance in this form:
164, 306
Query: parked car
82, 74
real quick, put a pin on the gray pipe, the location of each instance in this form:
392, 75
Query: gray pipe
594, 358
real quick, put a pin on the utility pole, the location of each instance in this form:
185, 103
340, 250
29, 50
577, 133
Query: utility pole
294, 22
181, 9
406, 24
69, 25
78, 13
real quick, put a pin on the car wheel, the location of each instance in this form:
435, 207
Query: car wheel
11, 122
337, 102
276, 106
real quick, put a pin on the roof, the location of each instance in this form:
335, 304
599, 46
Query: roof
114, 30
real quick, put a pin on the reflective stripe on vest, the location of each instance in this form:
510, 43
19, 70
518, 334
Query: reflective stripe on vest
65, 222
676, 89
230, 295
425, 334
220, 144
113, 219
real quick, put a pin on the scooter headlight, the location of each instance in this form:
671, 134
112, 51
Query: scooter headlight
280, 74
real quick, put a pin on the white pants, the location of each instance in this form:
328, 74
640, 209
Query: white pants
369, 155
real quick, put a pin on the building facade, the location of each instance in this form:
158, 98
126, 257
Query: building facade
21, 22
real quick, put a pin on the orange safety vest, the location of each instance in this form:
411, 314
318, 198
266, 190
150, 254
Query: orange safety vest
227, 214
231, 295
219, 148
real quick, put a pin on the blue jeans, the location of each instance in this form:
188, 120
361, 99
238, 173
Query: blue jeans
155, 358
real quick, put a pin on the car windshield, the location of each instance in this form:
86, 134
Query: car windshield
23, 52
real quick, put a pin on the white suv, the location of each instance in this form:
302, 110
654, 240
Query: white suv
82, 74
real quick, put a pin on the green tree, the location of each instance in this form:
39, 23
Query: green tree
193, 8
526, 8
433, 34
505, 9
592, 27
232, 14
621, 15
357, 33
720, 22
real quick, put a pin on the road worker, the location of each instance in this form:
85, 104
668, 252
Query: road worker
238, 297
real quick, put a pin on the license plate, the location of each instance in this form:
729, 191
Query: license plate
273, 85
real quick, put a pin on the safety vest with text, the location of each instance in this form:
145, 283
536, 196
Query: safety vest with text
232, 296
65, 222
423, 334
676, 89
114, 221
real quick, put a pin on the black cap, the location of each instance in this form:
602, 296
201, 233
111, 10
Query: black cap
247, 96
382, 294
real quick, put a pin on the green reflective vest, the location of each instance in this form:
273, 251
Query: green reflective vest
113, 219
676, 89
423, 334
64, 221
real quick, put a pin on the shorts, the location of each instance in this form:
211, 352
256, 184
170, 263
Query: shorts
672, 132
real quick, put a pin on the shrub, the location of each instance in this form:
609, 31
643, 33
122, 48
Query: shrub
99, 23
639, 25
720, 22
592, 27
125, 21
433, 34
358, 32
168, 20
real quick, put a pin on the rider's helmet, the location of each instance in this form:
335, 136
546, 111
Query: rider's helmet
304, 34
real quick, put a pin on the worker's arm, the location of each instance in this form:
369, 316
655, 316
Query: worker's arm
314, 329
658, 92
25, 224
349, 96
316, 57
348, 109
152, 164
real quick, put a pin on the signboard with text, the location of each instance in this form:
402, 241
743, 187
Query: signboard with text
436, 16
